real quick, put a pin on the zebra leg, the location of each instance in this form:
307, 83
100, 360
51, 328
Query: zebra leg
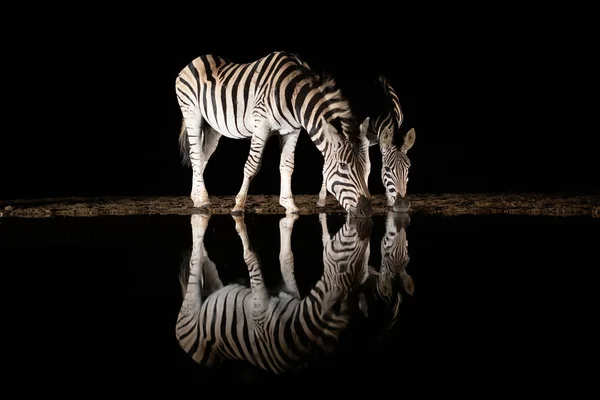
188, 322
211, 141
257, 148
203, 141
322, 193
195, 281
286, 256
286, 169
260, 296
194, 130
209, 276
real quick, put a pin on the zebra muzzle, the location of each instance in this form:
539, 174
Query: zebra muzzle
364, 227
365, 208
402, 204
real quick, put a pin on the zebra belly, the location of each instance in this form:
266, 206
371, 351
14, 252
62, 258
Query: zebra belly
239, 337
227, 125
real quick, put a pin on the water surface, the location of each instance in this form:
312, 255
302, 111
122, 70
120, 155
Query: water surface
105, 294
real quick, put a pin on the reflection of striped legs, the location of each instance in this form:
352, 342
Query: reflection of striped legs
286, 257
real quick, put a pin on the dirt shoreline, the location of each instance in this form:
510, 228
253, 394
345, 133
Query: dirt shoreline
444, 204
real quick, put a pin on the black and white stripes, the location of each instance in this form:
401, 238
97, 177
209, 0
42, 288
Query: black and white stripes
277, 94
275, 332
395, 163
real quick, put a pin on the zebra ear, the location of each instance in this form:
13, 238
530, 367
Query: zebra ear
409, 285
409, 140
367, 133
386, 137
363, 135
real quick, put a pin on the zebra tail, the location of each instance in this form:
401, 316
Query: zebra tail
184, 145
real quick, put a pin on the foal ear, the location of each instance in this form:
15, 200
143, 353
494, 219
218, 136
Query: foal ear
367, 133
386, 137
409, 140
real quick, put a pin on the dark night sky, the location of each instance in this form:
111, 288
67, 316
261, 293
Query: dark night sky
109, 121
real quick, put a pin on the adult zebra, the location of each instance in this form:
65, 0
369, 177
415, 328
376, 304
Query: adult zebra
395, 163
277, 333
278, 94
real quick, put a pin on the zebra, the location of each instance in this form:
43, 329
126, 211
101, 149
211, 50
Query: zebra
395, 162
276, 94
276, 333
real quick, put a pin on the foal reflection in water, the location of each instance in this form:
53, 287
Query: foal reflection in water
381, 295
275, 333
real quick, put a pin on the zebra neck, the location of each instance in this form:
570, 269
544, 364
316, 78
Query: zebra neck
317, 322
315, 107
319, 137
321, 300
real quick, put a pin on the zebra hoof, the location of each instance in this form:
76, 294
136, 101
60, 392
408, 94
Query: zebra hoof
291, 211
204, 209
321, 203
237, 213
201, 204
288, 220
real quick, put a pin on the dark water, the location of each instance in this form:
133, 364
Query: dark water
103, 296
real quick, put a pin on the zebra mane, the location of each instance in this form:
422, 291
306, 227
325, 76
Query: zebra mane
344, 121
326, 84
300, 61
392, 100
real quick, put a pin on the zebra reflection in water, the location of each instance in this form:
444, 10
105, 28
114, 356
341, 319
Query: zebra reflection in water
381, 294
277, 333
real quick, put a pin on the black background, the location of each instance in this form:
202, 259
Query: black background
95, 112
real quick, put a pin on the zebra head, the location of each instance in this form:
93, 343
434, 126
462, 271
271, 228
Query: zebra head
395, 163
346, 170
